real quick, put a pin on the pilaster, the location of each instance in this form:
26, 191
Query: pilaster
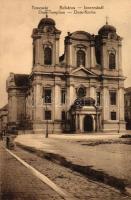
93, 92
12, 117
57, 102
93, 58
70, 95
69, 54
38, 101
120, 56
105, 103
104, 55
57, 52
121, 104
37, 51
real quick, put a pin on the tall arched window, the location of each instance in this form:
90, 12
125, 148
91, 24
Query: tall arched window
47, 56
80, 58
112, 61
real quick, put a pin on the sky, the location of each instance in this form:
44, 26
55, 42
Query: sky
18, 18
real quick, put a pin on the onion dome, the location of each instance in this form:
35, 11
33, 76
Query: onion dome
104, 30
46, 22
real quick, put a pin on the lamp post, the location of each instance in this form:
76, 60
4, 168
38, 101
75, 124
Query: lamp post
46, 135
46, 100
96, 107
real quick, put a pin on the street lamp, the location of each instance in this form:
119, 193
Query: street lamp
46, 135
46, 101
96, 107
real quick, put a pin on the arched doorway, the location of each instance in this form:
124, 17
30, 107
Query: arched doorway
88, 123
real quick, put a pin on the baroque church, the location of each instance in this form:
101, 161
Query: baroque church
80, 91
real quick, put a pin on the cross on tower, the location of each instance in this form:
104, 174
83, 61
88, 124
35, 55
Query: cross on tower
46, 15
107, 19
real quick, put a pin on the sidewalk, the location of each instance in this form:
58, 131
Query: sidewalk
113, 159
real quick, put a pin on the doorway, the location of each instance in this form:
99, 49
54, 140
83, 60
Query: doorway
88, 123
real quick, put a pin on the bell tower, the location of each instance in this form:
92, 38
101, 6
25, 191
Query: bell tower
110, 43
45, 44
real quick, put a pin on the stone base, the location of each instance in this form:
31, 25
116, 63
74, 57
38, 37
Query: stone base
114, 126
57, 128
51, 127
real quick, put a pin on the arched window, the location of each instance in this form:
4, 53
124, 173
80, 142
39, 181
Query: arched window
80, 58
112, 61
47, 56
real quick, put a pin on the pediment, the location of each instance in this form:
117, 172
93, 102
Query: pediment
80, 35
82, 71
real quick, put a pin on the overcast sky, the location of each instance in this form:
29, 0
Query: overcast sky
17, 19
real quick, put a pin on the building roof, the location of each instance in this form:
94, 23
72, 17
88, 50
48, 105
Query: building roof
104, 30
21, 80
80, 35
46, 22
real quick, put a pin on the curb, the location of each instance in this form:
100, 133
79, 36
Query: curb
64, 194
88, 171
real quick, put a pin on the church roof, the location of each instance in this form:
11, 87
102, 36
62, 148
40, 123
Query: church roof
80, 35
21, 80
104, 30
46, 22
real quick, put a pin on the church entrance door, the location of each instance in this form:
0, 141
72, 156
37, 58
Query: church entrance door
88, 123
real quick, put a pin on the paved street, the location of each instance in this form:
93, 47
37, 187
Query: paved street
17, 183
74, 183
107, 153
77, 185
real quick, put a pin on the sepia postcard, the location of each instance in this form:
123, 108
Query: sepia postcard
65, 100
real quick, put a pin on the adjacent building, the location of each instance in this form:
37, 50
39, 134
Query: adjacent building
80, 91
128, 107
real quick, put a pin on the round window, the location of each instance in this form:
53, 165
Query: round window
81, 92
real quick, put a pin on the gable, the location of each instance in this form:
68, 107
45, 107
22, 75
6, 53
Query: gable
81, 71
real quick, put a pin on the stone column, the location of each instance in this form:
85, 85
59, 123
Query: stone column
93, 58
81, 123
93, 92
120, 101
94, 122
70, 95
119, 56
105, 103
54, 54
41, 52
77, 122
37, 51
104, 55
69, 54
38, 100
100, 123
57, 52
12, 108
57, 102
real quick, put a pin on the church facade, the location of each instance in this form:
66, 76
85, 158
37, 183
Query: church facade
80, 91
